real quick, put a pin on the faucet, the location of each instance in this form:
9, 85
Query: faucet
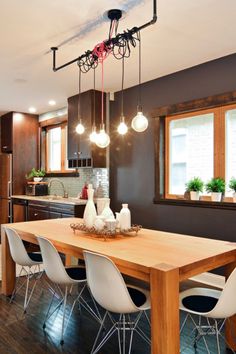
65, 194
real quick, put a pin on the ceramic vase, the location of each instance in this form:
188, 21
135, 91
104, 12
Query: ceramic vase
194, 195
125, 218
90, 212
107, 212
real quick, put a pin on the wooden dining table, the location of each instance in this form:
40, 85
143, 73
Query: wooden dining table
159, 258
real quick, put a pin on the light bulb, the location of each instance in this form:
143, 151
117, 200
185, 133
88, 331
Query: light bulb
103, 139
122, 128
80, 128
93, 136
139, 122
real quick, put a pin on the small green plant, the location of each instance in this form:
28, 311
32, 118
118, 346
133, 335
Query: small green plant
216, 185
35, 173
232, 184
195, 185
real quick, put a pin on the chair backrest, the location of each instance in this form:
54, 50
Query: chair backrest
226, 305
107, 284
17, 248
52, 262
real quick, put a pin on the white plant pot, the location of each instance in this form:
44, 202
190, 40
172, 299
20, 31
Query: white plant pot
234, 197
38, 179
216, 196
194, 195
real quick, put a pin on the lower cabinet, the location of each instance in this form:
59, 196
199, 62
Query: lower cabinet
45, 210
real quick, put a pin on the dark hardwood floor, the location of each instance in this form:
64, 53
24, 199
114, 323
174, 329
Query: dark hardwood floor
23, 334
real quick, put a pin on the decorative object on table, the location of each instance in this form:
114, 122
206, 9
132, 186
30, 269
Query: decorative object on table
232, 186
118, 219
119, 45
101, 203
99, 222
90, 212
216, 186
99, 191
84, 193
36, 175
105, 233
107, 212
111, 224
194, 186
125, 217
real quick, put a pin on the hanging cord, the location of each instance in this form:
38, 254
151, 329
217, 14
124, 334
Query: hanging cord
102, 119
94, 97
79, 106
122, 88
139, 73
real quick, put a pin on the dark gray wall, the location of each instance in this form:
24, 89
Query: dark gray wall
132, 157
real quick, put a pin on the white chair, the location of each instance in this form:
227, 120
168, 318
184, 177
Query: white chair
64, 279
110, 291
29, 262
214, 306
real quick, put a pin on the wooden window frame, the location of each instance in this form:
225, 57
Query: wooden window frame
219, 103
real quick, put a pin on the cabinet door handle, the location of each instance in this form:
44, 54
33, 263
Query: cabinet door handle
5, 147
35, 214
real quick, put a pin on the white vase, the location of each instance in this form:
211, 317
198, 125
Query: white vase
125, 218
90, 212
234, 197
101, 203
107, 212
194, 195
216, 196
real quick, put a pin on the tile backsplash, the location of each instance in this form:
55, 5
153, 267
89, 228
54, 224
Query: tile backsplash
74, 185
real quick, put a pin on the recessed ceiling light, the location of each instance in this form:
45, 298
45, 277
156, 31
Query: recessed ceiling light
52, 102
32, 110
60, 114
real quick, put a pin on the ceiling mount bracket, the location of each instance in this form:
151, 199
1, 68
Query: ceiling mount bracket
114, 14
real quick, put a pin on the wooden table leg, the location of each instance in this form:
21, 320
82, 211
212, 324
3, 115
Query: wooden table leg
8, 266
164, 284
230, 326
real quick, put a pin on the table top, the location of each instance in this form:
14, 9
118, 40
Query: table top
150, 248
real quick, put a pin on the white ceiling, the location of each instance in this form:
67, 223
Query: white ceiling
188, 32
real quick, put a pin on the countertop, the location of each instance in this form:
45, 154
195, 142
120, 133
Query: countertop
52, 199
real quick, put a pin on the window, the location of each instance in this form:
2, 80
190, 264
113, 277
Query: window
56, 148
200, 144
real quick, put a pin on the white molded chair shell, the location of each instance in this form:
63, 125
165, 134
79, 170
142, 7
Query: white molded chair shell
226, 305
52, 263
108, 287
17, 249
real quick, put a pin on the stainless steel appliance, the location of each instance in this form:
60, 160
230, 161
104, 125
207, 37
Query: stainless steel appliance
5, 188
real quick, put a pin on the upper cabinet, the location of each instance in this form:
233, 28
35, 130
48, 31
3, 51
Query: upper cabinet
81, 152
6, 132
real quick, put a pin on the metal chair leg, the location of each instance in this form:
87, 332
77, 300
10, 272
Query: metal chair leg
63, 316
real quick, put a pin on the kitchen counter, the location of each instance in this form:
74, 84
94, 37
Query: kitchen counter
52, 199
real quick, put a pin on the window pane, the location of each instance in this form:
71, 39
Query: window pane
54, 153
191, 150
230, 145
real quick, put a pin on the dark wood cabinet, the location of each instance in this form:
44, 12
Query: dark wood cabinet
40, 210
81, 152
6, 133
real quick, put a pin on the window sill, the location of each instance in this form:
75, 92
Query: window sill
196, 203
62, 174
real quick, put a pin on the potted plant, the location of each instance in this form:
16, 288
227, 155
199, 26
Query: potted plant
36, 175
216, 186
195, 186
232, 186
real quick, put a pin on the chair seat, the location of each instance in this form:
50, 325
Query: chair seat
199, 300
140, 297
36, 257
76, 273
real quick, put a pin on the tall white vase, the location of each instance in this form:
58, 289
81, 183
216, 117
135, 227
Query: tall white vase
90, 212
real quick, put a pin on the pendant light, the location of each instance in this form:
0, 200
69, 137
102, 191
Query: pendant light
103, 139
79, 128
93, 134
139, 122
122, 127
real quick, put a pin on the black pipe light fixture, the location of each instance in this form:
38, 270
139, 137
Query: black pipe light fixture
122, 127
139, 122
119, 46
79, 127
